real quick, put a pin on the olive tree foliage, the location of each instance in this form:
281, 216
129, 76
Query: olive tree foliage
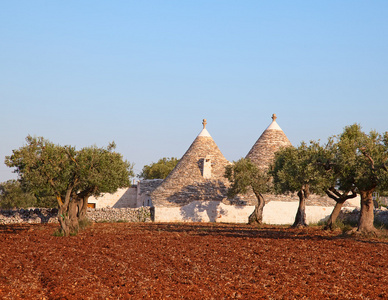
350, 163
244, 175
71, 176
160, 169
360, 163
13, 196
324, 157
295, 170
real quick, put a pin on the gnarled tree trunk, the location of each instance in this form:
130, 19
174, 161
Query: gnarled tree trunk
83, 205
70, 212
365, 224
68, 216
73, 216
334, 215
300, 218
340, 200
257, 215
63, 214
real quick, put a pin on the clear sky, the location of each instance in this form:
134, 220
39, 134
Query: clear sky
145, 73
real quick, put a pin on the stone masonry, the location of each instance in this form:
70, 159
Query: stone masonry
144, 189
271, 140
47, 215
188, 182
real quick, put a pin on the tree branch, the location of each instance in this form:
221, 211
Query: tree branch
338, 197
352, 195
368, 157
384, 166
335, 191
330, 194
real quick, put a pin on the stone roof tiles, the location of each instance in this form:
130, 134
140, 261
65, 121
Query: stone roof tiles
199, 175
271, 140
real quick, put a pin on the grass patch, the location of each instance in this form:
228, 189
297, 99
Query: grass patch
58, 232
344, 225
380, 225
84, 223
122, 221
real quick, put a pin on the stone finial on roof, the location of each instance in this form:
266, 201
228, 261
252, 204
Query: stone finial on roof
274, 117
204, 123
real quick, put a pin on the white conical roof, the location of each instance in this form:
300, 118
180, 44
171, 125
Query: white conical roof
274, 125
204, 132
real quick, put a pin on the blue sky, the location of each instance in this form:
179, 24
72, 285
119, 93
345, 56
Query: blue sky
145, 73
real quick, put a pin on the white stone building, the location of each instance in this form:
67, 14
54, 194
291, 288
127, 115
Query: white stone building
195, 191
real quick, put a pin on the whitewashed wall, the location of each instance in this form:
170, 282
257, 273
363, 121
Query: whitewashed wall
204, 211
279, 213
275, 212
125, 197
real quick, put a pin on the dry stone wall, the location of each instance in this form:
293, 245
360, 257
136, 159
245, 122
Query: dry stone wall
141, 214
31, 216
205, 211
352, 216
46, 215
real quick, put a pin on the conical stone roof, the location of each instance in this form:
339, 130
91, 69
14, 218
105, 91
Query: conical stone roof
270, 141
199, 175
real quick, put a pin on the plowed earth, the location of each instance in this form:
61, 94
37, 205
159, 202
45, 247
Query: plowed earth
190, 261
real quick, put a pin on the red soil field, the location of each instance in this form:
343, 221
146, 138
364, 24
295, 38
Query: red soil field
190, 261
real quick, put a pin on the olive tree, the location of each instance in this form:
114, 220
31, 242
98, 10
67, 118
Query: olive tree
243, 175
160, 169
324, 157
350, 163
295, 170
340, 198
12, 195
71, 176
360, 163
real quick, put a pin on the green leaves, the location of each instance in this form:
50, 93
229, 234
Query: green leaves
295, 168
12, 195
102, 170
47, 169
351, 159
243, 174
160, 169
361, 159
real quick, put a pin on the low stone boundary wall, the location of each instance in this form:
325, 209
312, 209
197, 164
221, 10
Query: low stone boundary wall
352, 216
47, 215
141, 214
31, 216
200, 213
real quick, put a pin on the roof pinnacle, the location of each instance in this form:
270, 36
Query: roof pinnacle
204, 123
274, 117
